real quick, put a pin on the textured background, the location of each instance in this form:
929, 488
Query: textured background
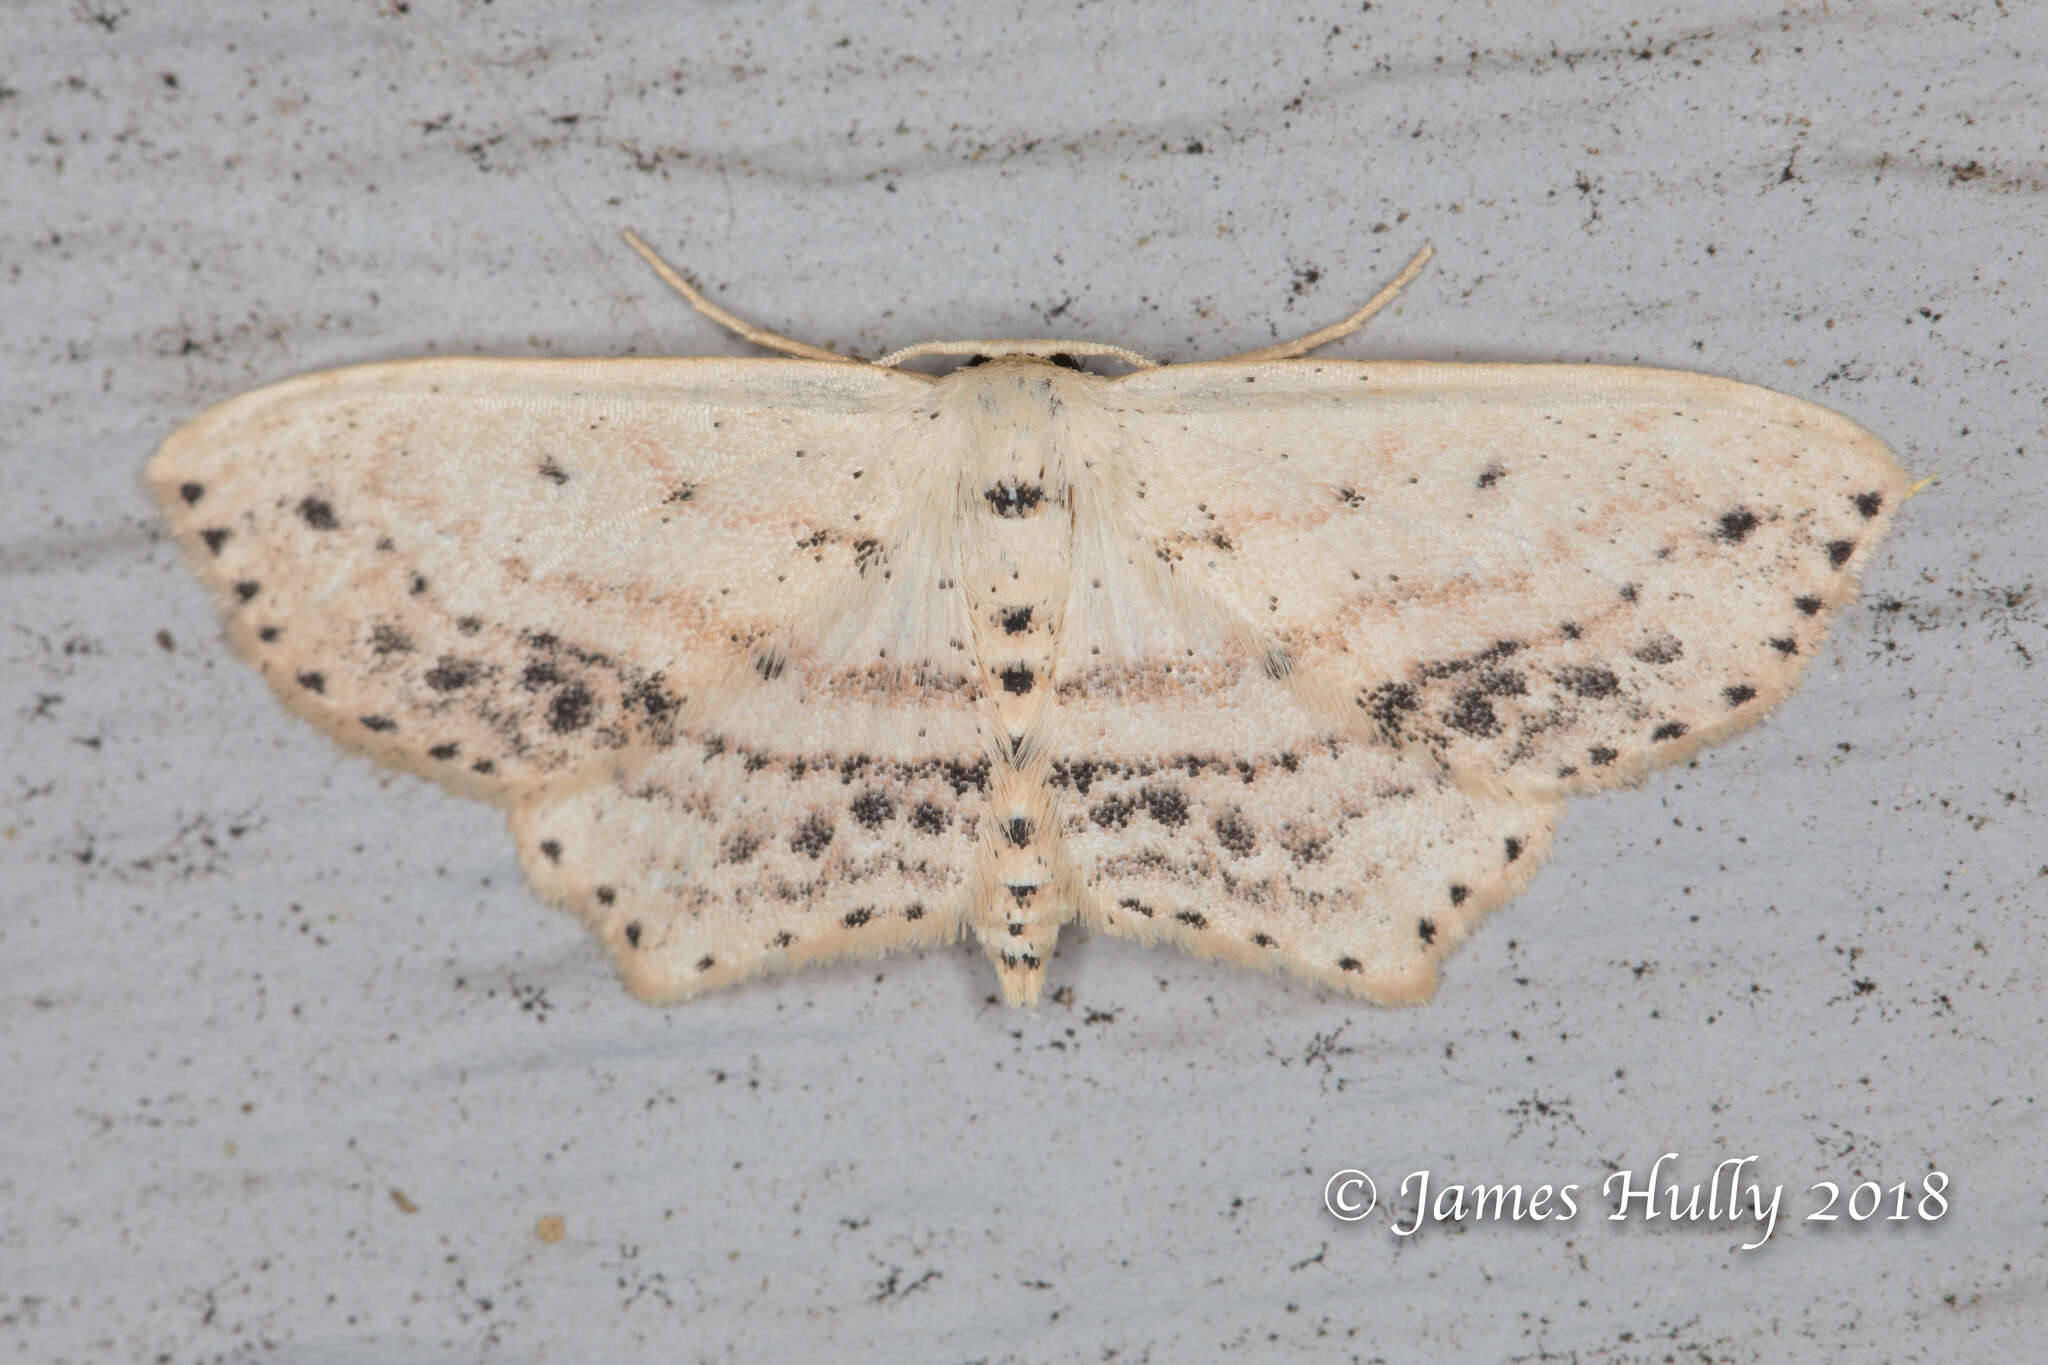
293, 1063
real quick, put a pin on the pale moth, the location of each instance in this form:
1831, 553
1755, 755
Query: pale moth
1284, 661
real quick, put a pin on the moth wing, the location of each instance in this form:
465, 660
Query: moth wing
494, 572
1215, 814
681, 616
1547, 578
708, 864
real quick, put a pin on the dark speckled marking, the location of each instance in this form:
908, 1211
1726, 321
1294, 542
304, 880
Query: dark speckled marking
769, 666
739, 847
1839, 552
812, 836
1808, 605
1349, 964
1514, 848
388, 639
1021, 892
1191, 919
1017, 679
1019, 830
313, 681
1017, 620
1600, 756
215, 537
1868, 505
706, 963
1425, 929
856, 918
1490, 476
1665, 649
484, 766
1459, 891
1136, 907
1784, 644
913, 912
444, 752
191, 492
469, 625
268, 634
247, 588
1628, 592
318, 513
553, 472
1670, 729
605, 895
551, 849
1388, 703
633, 933
1235, 834
1166, 805
1735, 526
1592, 681
873, 808
1473, 714
570, 710
1016, 928
1263, 940
1014, 499
927, 818
378, 723
1739, 694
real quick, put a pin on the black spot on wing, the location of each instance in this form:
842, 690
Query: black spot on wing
318, 513
873, 808
1235, 834
1473, 714
1425, 929
1738, 694
1839, 552
1017, 620
927, 818
1017, 679
191, 492
1867, 505
571, 709
1664, 649
1592, 681
215, 537
1734, 527
1166, 805
812, 836
1807, 605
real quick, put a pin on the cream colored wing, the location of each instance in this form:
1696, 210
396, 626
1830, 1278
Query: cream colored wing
1208, 810
1549, 578
667, 611
1343, 635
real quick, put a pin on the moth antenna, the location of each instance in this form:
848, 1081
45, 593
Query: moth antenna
760, 336
1288, 350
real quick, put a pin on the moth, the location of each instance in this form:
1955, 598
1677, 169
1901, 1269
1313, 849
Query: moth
1284, 661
